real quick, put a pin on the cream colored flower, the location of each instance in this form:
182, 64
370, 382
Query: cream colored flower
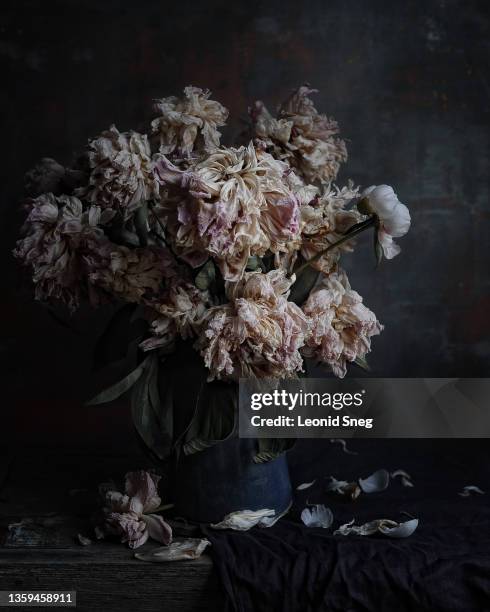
301, 136
59, 234
189, 123
234, 204
131, 514
178, 311
394, 216
323, 221
258, 333
134, 275
341, 326
121, 171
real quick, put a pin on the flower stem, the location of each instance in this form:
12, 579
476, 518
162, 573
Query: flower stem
351, 233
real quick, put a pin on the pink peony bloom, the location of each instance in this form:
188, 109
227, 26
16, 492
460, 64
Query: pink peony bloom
301, 136
324, 220
178, 312
341, 326
59, 234
258, 333
134, 275
121, 171
130, 515
189, 123
233, 205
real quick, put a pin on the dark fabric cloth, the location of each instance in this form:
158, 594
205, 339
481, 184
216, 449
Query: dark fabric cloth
443, 566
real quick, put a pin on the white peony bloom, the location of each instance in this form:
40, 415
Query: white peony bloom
394, 216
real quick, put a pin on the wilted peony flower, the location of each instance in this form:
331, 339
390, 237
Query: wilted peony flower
134, 275
237, 205
59, 234
394, 216
266, 128
301, 136
122, 175
341, 326
258, 334
130, 515
323, 221
190, 123
178, 310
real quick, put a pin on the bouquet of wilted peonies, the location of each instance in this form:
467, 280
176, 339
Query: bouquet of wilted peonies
235, 250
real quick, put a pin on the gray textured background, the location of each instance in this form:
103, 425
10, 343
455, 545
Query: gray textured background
408, 82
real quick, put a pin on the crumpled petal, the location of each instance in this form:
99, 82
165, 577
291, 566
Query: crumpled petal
180, 550
158, 529
305, 485
343, 444
469, 489
243, 520
342, 487
387, 527
378, 481
141, 486
317, 516
405, 478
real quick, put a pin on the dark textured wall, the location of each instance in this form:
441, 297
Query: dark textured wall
408, 82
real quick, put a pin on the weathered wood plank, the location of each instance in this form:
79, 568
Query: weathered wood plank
113, 581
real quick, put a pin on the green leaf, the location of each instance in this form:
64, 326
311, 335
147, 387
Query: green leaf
112, 393
253, 263
214, 420
206, 276
148, 411
271, 448
140, 219
303, 285
361, 362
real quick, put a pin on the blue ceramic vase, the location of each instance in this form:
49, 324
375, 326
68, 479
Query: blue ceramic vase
210, 483
224, 478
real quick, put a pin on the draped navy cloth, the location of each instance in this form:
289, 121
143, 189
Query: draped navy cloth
443, 566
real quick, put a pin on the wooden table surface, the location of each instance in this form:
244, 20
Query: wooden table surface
46, 500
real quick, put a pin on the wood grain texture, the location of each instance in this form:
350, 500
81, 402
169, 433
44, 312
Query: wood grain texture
112, 582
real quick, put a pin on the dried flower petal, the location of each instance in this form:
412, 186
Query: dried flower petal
469, 489
243, 520
343, 444
158, 529
318, 516
180, 550
375, 483
305, 485
386, 527
342, 487
84, 541
189, 123
405, 478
